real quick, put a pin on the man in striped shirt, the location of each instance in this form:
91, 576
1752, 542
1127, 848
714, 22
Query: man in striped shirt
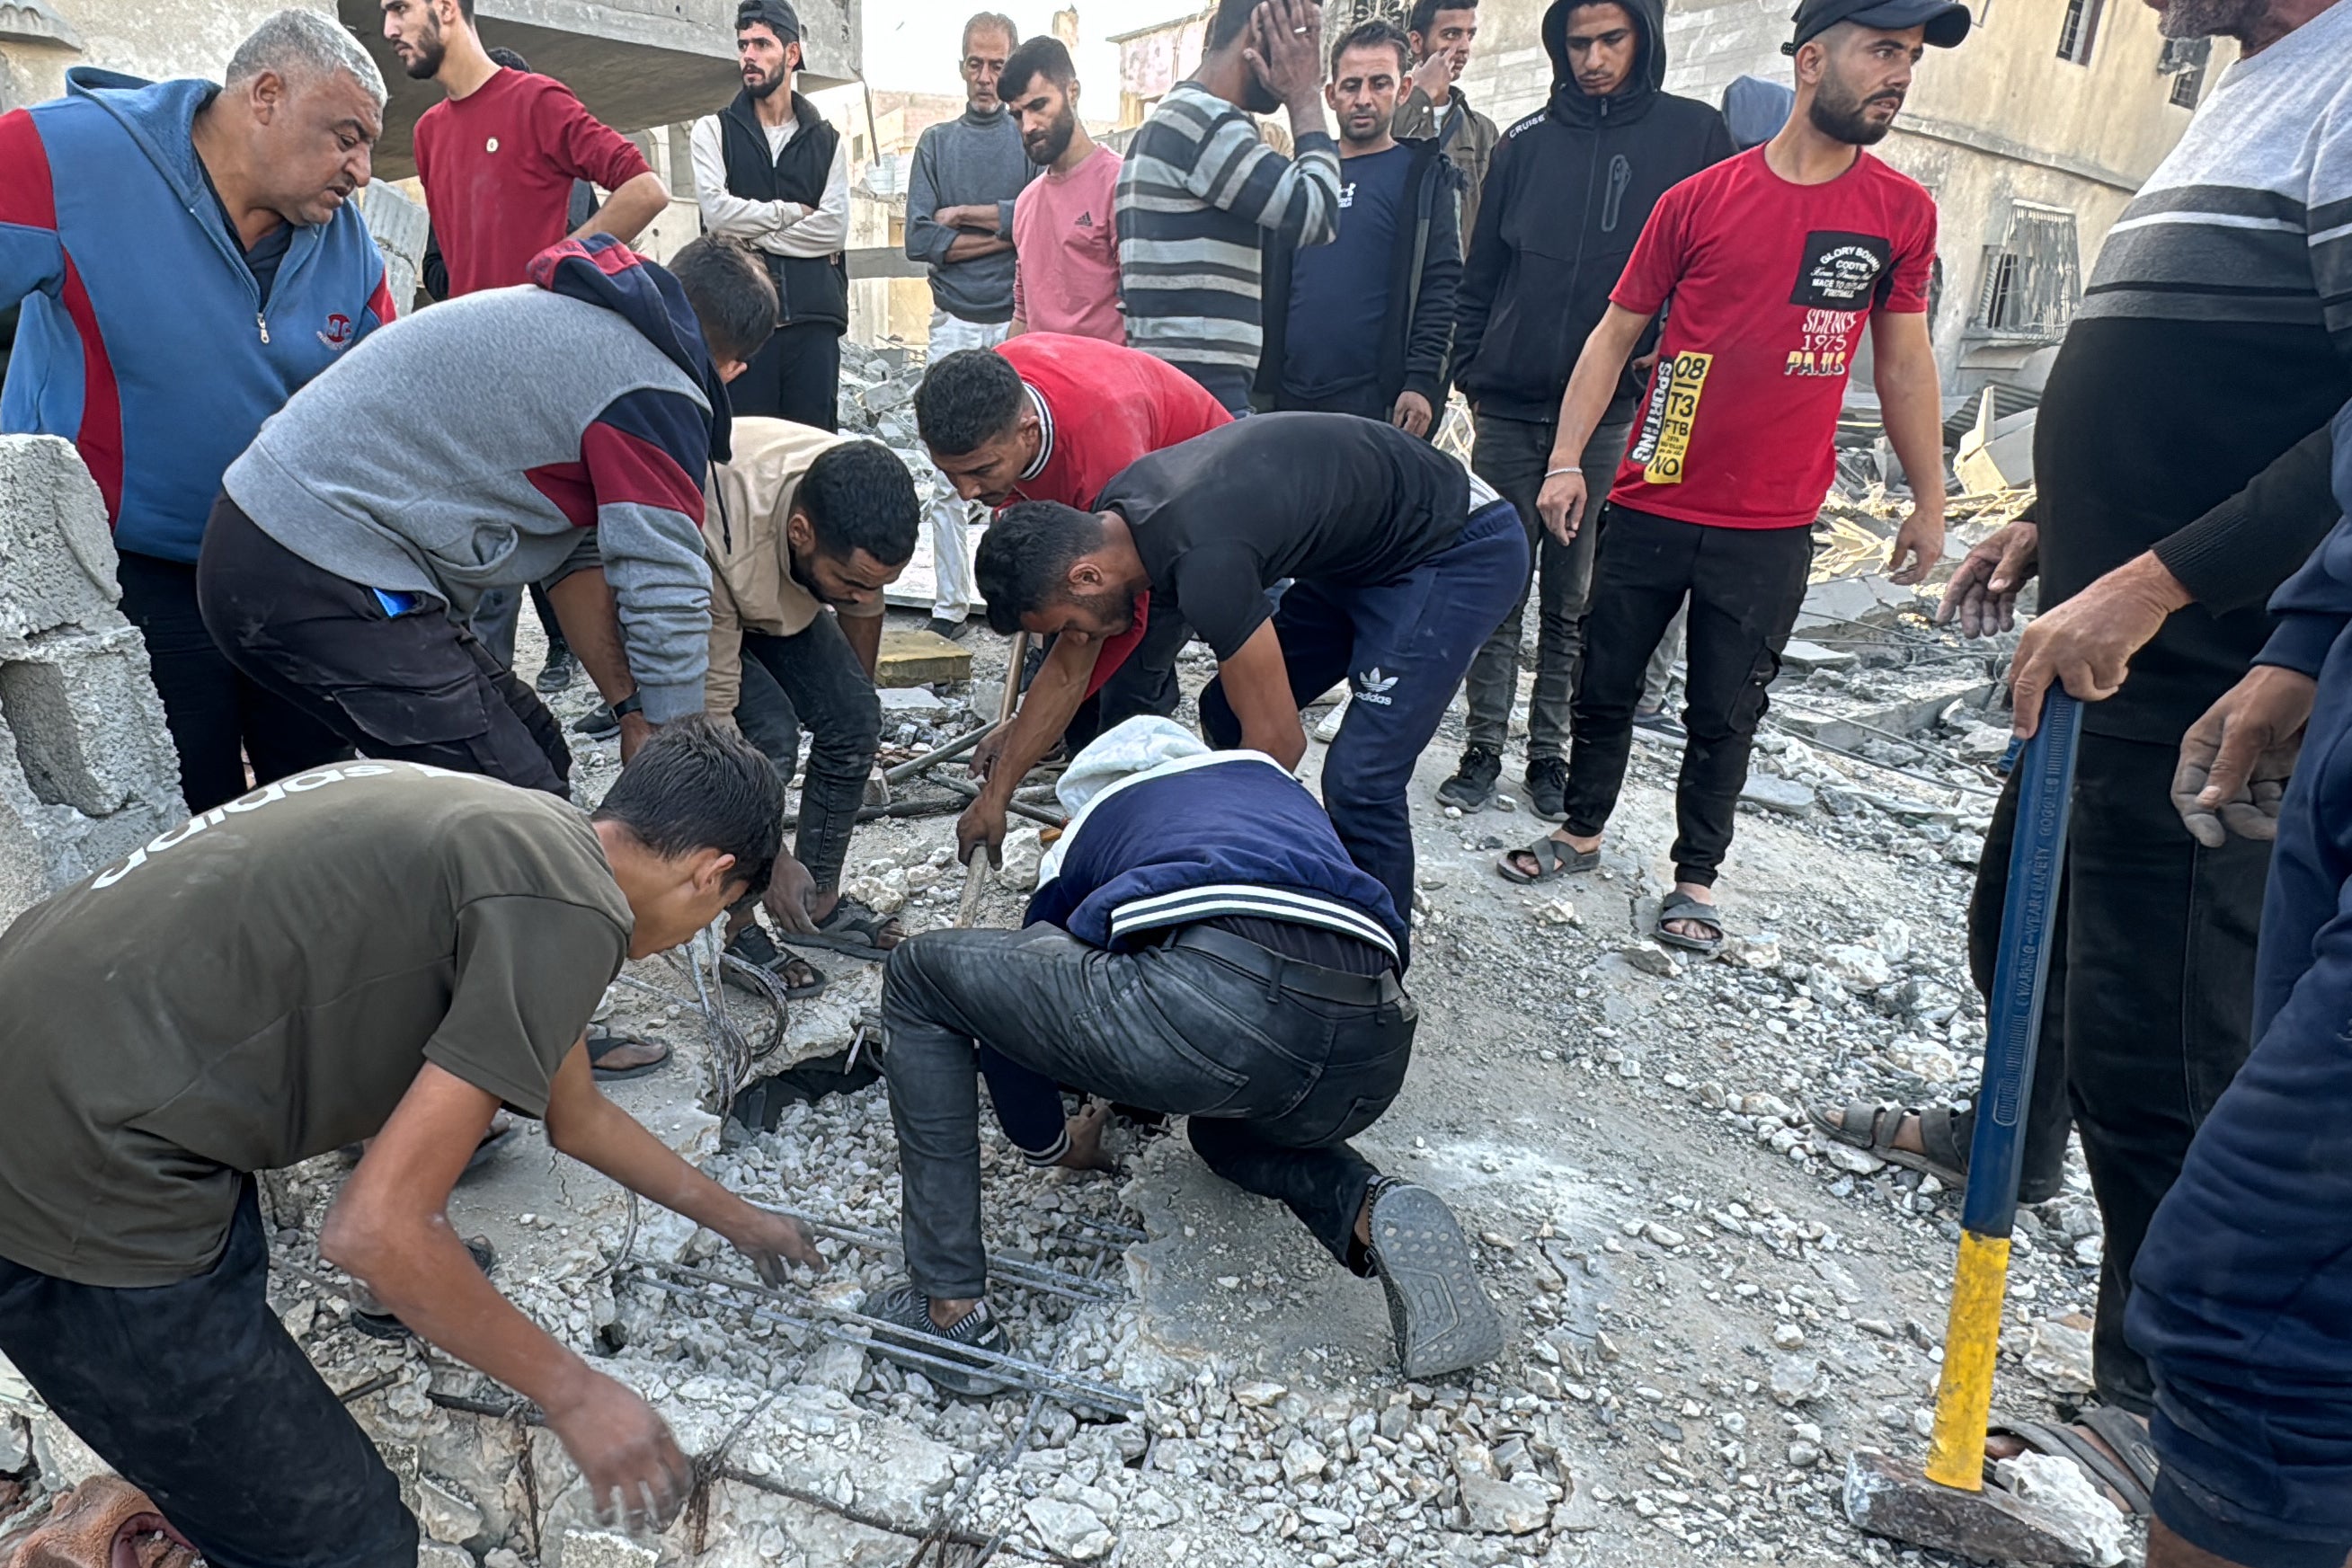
1200, 193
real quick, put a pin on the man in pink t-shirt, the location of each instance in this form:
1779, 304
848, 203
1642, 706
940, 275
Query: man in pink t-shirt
1065, 237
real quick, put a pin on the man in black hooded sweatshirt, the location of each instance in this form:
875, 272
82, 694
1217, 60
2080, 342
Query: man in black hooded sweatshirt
1566, 197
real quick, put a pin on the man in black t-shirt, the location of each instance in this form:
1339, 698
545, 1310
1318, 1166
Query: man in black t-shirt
1402, 562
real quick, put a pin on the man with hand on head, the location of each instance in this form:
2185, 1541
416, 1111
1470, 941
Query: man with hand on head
370, 950
232, 202
1065, 224
1432, 108
1774, 261
772, 174
1399, 563
805, 529
1361, 324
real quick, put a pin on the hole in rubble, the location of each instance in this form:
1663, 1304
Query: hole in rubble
761, 1106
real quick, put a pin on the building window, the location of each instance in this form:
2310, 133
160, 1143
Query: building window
2031, 279
2079, 31
2184, 61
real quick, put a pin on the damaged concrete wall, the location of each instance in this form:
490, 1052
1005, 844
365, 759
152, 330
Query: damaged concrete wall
87, 768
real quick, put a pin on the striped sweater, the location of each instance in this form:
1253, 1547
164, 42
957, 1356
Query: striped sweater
1197, 196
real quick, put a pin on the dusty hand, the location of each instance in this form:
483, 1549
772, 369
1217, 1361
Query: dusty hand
773, 1242
1560, 504
791, 889
2086, 643
1921, 538
1434, 76
2235, 761
1411, 413
636, 1477
1288, 53
985, 754
1983, 590
981, 826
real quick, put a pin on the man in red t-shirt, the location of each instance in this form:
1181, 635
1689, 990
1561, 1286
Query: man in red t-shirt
1773, 260
498, 157
1049, 417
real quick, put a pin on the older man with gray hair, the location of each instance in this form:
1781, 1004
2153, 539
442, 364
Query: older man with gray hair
187, 256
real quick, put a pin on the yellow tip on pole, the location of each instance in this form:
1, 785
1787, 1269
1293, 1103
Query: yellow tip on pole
1956, 1452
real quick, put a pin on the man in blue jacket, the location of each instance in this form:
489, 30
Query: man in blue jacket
2241, 1294
1201, 945
187, 256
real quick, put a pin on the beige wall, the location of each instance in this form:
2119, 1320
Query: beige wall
196, 38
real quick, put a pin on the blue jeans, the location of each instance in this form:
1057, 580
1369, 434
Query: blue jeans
1403, 646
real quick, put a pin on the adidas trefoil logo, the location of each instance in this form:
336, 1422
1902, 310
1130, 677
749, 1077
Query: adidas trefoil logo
1373, 687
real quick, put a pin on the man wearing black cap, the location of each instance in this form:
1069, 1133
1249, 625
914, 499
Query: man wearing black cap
772, 174
1774, 260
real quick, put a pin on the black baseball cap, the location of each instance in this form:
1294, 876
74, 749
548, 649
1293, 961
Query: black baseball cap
1946, 21
777, 15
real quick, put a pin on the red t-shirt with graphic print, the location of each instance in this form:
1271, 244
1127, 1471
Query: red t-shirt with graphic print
1771, 285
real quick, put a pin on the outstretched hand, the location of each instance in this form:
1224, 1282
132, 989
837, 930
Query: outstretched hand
1982, 593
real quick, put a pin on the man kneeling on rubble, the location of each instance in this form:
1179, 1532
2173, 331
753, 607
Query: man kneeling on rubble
1200, 944
376, 950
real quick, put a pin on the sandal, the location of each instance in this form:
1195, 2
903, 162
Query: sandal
853, 929
2130, 1477
1871, 1128
1552, 859
1681, 905
602, 1042
800, 979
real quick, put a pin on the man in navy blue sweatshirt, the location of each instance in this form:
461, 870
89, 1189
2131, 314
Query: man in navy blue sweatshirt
2241, 1295
1202, 946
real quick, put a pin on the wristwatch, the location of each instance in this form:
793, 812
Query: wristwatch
634, 702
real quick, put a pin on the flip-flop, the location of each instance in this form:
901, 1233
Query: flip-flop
1552, 859
603, 1041
850, 928
1859, 1124
1680, 905
2133, 1479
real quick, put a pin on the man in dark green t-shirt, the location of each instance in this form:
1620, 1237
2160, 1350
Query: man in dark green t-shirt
369, 950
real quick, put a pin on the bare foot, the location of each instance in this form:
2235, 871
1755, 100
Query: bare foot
1086, 1151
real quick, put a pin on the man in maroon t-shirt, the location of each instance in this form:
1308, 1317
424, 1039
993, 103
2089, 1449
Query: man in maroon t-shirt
1050, 417
1773, 259
498, 157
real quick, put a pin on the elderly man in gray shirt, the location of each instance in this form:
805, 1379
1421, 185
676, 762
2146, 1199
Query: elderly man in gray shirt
959, 221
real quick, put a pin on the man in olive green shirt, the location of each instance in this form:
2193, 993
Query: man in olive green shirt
374, 950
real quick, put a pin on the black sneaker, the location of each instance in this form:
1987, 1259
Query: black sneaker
907, 1310
952, 630
1443, 1318
1548, 788
1473, 784
599, 724
560, 671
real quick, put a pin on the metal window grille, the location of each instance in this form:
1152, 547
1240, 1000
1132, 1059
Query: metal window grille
2184, 60
2032, 280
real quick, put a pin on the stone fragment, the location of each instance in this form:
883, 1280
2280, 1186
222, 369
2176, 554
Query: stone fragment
1303, 1461
1070, 1528
910, 702
1024, 856
65, 1461
1770, 792
2059, 1352
1494, 1507
15, 1444
1650, 958
838, 1366
1787, 1336
577, 1548
2062, 1491
914, 656
445, 1515
1889, 1497
1846, 1157
1798, 1380
54, 539
1258, 1396
1863, 968
436, 1553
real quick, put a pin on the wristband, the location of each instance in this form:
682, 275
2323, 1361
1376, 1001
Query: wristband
1577, 469
634, 702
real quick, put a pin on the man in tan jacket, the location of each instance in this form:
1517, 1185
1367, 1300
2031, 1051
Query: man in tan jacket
804, 529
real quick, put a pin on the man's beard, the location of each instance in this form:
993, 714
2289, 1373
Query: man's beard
1048, 149
766, 85
430, 49
1838, 115
2208, 18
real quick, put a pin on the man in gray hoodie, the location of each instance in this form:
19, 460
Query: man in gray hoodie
552, 432
960, 220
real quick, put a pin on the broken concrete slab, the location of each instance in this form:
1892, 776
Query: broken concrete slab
914, 656
1889, 1498
1771, 792
74, 700
54, 537
1806, 657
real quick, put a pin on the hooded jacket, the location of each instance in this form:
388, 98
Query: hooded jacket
1425, 270
581, 401
144, 340
1566, 197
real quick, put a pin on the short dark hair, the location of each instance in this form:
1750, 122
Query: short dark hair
1025, 558
732, 296
1232, 17
502, 56
698, 784
992, 21
1424, 13
1378, 32
967, 400
1041, 56
859, 496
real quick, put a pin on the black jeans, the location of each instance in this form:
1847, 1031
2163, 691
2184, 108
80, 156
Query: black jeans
417, 687
1745, 586
219, 717
813, 679
196, 1395
1511, 455
796, 375
1276, 1077
2150, 1010
1229, 386
1364, 402
499, 614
